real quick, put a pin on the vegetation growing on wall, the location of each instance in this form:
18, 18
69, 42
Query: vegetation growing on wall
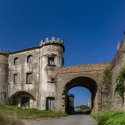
120, 88
107, 76
106, 82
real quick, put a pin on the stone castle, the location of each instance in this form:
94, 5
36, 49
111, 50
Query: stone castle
37, 78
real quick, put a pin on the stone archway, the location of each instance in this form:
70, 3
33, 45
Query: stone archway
89, 76
86, 82
23, 99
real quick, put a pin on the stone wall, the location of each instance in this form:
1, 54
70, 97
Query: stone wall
47, 73
22, 69
43, 84
91, 76
3, 78
118, 64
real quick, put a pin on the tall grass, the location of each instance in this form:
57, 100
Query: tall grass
13, 114
113, 117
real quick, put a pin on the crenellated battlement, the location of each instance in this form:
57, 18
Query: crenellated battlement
53, 40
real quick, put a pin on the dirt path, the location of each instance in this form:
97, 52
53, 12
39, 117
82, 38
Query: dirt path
70, 120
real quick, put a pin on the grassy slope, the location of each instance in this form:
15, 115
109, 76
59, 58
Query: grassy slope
16, 114
113, 117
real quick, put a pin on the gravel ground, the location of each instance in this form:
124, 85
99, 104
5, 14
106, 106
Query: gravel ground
70, 120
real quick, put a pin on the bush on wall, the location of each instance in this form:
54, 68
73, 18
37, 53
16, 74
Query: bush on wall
120, 88
106, 82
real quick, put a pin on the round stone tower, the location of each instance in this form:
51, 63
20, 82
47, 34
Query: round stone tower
3, 76
51, 56
53, 48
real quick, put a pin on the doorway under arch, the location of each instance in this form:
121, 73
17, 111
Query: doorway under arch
23, 99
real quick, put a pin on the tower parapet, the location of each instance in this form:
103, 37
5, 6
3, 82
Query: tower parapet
52, 41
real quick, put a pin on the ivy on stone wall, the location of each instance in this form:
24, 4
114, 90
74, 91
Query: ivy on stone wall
120, 88
106, 81
105, 88
107, 76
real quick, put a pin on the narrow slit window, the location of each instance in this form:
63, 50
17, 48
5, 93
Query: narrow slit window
15, 78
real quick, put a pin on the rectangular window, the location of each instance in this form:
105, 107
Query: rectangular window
15, 78
51, 61
29, 78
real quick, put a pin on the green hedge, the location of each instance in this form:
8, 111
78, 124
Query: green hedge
110, 118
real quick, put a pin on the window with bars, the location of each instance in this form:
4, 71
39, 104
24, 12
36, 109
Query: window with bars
51, 61
29, 78
15, 78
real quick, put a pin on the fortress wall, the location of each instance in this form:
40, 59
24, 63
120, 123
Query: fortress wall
118, 64
3, 77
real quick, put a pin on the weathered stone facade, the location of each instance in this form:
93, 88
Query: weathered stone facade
89, 76
36, 78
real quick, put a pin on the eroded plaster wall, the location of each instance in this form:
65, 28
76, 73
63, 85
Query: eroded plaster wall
47, 73
22, 69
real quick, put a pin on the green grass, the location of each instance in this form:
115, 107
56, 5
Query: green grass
16, 114
113, 117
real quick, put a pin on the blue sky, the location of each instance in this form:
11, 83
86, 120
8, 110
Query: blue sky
82, 95
89, 28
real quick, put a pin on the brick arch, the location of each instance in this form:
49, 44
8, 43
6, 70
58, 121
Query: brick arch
82, 81
81, 75
90, 76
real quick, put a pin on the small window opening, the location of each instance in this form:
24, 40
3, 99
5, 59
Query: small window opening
16, 61
29, 59
51, 61
15, 78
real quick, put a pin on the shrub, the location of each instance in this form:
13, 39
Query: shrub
110, 118
120, 88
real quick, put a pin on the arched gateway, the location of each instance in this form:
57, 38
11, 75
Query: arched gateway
88, 76
84, 82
